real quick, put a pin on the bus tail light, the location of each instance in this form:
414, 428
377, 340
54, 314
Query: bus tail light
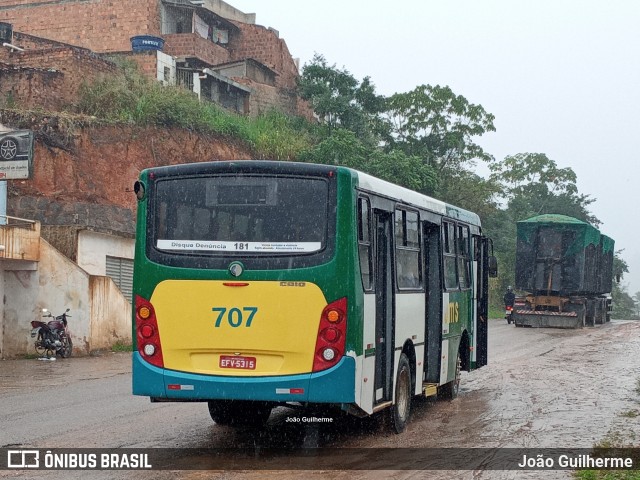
147, 334
332, 335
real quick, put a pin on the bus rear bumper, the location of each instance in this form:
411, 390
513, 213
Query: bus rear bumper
334, 385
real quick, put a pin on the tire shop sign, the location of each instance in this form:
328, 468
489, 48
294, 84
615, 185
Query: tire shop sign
16, 153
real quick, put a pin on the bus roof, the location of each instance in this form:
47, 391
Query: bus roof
365, 182
391, 190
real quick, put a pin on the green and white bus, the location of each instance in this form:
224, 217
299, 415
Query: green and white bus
264, 283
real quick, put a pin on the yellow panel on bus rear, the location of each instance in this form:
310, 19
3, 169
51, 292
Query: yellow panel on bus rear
237, 328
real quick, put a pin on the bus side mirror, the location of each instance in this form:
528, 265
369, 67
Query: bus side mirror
139, 190
493, 266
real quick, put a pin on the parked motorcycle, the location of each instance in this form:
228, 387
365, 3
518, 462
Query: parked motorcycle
52, 337
507, 313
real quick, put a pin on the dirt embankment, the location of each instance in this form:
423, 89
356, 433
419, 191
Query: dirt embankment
85, 162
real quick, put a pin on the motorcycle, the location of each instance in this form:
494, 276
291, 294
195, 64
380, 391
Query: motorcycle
508, 312
52, 337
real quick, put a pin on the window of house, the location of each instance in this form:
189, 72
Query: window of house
407, 235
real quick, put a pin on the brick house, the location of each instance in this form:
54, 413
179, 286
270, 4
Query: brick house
209, 46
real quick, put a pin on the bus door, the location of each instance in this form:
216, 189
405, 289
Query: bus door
384, 306
483, 254
433, 291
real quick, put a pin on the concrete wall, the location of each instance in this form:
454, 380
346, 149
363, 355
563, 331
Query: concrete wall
110, 314
227, 11
100, 314
94, 247
56, 284
166, 64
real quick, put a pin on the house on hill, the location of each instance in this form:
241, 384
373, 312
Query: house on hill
186, 42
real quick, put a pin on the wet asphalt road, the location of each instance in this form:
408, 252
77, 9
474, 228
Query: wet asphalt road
542, 388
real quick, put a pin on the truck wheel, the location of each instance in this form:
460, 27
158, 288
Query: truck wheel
401, 409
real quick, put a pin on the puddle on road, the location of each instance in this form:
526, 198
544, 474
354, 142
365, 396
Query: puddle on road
541, 388
36, 373
568, 390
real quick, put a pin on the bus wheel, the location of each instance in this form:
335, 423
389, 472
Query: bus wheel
401, 410
239, 413
450, 390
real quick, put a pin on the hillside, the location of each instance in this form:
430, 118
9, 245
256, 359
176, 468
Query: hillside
83, 170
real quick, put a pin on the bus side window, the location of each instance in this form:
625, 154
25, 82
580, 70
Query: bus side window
364, 242
463, 256
449, 254
408, 250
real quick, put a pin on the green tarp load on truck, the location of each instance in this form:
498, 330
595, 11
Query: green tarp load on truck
561, 255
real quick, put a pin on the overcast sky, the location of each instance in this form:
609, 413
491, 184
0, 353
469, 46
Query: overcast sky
561, 77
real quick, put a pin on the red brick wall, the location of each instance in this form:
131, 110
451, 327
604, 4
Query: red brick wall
30, 42
265, 97
49, 77
193, 45
80, 64
100, 25
30, 88
261, 44
147, 62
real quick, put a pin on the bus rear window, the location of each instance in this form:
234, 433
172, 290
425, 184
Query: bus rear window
247, 214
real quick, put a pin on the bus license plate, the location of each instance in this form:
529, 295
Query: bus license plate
246, 363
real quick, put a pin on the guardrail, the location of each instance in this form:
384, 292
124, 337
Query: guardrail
19, 239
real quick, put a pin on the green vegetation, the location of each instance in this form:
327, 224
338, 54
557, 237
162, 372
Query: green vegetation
131, 98
608, 475
630, 413
120, 346
425, 139
611, 443
496, 311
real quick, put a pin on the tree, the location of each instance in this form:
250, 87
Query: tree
435, 124
620, 266
339, 100
466, 189
636, 300
624, 306
343, 148
533, 184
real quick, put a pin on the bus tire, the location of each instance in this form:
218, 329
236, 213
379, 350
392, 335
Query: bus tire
450, 389
401, 408
239, 413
